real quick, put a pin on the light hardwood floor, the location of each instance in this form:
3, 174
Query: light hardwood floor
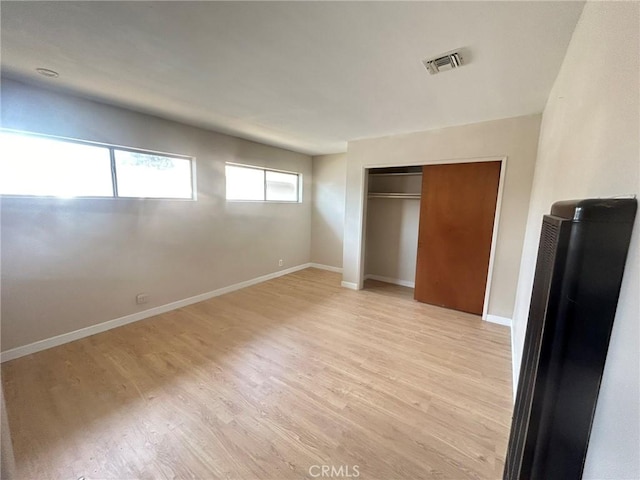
266, 382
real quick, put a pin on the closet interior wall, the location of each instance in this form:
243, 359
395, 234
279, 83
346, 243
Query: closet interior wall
393, 213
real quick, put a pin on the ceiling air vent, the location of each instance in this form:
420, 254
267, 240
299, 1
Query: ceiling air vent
448, 61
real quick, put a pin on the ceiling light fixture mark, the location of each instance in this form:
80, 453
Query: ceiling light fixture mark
47, 72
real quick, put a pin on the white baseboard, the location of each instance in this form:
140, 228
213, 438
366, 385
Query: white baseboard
395, 281
499, 320
326, 267
350, 285
134, 317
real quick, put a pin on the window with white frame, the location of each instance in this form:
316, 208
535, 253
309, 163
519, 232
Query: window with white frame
36, 165
255, 184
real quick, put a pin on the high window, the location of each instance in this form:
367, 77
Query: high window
36, 165
254, 184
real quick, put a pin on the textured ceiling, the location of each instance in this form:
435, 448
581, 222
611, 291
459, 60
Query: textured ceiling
307, 76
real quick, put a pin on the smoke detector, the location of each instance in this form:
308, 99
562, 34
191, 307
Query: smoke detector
441, 63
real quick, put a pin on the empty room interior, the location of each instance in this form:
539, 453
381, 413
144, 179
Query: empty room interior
297, 240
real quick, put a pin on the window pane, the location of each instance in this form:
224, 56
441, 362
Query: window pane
244, 183
152, 176
282, 187
41, 166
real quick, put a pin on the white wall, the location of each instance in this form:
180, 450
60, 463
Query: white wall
589, 147
69, 264
327, 225
515, 138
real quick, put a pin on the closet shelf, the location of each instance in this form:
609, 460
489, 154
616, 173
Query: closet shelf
395, 174
410, 196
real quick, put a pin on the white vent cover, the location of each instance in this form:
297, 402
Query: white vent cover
447, 61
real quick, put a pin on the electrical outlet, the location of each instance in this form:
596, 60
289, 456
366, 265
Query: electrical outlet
142, 298
280, 263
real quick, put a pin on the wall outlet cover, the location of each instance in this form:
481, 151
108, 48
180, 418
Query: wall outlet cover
142, 298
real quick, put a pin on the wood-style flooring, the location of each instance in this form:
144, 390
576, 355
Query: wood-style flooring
271, 382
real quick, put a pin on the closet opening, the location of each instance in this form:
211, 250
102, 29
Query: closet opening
392, 217
430, 231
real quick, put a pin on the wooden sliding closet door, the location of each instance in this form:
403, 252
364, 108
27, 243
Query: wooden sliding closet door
457, 210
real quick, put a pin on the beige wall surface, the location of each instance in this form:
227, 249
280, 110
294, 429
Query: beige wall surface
515, 138
327, 225
73, 263
589, 147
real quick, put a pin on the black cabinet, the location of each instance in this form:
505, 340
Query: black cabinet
581, 258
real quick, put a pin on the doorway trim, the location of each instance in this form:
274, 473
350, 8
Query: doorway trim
496, 221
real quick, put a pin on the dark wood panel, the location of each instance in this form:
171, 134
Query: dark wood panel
457, 211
